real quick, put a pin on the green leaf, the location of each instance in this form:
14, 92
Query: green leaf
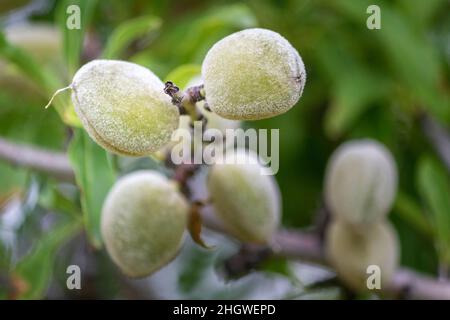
182, 75
5, 257
33, 272
25, 63
416, 62
193, 36
13, 182
44, 78
73, 38
53, 199
280, 266
24, 121
422, 12
128, 32
5, 268
94, 176
434, 186
407, 208
409, 53
353, 94
193, 270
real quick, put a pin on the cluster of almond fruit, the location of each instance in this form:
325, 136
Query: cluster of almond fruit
252, 74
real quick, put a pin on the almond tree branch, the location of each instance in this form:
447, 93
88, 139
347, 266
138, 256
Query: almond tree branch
292, 244
412, 285
53, 163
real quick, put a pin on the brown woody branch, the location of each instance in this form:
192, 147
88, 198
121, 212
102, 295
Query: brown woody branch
53, 163
292, 244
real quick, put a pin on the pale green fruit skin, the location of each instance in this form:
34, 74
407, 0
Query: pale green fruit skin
123, 107
351, 251
361, 182
247, 202
253, 74
143, 221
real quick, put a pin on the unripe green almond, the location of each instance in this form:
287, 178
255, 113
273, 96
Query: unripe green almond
351, 251
143, 221
253, 74
123, 107
361, 182
246, 201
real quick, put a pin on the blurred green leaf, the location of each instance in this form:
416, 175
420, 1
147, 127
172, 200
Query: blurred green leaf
410, 54
33, 272
129, 31
5, 256
434, 186
188, 39
412, 213
94, 176
182, 75
53, 199
280, 266
13, 182
27, 122
416, 62
73, 38
202, 31
353, 94
24, 121
422, 12
42, 77
5, 265
191, 274
27, 65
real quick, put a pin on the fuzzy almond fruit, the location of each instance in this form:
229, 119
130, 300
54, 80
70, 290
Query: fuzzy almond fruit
143, 221
246, 201
253, 74
123, 107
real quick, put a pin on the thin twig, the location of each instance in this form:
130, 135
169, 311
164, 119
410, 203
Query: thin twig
53, 163
186, 100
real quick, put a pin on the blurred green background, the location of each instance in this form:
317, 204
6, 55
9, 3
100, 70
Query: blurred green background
360, 83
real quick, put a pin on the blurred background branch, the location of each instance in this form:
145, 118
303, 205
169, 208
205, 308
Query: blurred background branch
55, 164
294, 244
